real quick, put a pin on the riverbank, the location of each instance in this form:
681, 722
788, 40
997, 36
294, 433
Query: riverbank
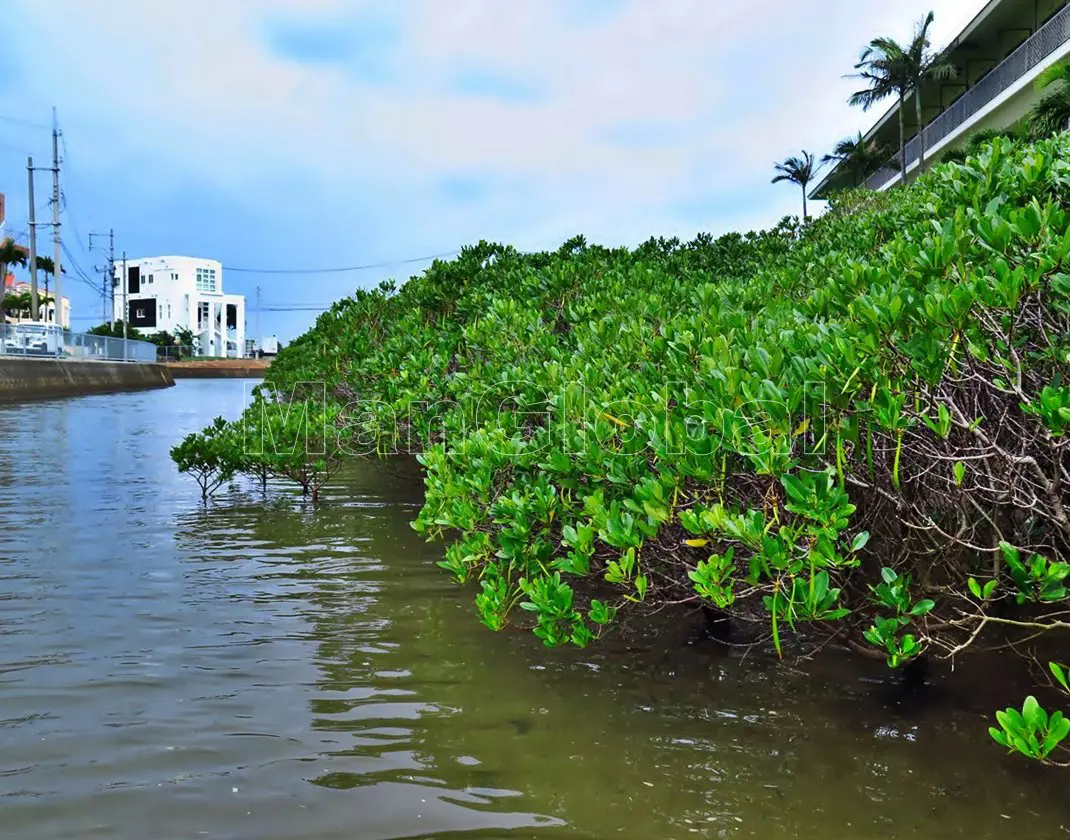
33, 379
219, 368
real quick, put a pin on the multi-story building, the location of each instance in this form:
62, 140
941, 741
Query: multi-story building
999, 56
170, 293
19, 289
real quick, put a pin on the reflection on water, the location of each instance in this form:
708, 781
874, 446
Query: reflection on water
258, 669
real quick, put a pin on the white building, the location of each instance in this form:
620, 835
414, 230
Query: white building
47, 313
170, 293
999, 56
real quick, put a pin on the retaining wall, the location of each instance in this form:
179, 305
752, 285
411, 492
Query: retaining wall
218, 369
27, 379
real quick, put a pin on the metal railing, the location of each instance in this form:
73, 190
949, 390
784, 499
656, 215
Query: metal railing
174, 352
881, 177
1028, 55
47, 341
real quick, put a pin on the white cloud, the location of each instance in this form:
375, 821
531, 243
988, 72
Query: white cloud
164, 95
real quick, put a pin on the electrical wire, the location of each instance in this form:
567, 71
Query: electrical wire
27, 123
80, 273
295, 308
65, 201
341, 269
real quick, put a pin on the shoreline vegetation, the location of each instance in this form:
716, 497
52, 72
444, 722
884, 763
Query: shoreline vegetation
853, 426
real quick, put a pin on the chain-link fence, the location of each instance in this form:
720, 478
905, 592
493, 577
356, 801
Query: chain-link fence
174, 352
47, 341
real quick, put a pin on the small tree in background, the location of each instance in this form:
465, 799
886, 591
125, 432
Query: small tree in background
797, 170
115, 330
10, 254
859, 158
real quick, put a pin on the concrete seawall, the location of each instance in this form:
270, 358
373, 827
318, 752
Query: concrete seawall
218, 369
32, 379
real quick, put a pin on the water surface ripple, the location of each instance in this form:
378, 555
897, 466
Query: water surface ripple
260, 669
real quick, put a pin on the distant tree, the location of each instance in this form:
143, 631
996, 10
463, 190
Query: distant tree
897, 69
116, 331
184, 337
21, 305
859, 158
162, 339
10, 254
797, 170
48, 266
1052, 113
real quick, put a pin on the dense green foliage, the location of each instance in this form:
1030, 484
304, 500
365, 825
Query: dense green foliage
10, 254
181, 342
21, 305
857, 425
1051, 113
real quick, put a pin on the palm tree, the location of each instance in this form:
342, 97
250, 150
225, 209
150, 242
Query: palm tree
1052, 113
10, 254
49, 268
21, 305
859, 158
893, 68
799, 171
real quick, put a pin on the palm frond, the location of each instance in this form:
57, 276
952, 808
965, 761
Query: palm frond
1051, 114
1056, 73
869, 97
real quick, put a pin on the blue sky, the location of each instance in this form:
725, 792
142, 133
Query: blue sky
321, 133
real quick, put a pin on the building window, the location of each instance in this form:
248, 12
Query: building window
206, 280
202, 315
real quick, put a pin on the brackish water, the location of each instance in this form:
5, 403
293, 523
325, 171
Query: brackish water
264, 670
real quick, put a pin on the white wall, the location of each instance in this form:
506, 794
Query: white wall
172, 282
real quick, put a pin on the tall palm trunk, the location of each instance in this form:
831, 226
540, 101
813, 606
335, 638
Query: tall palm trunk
902, 137
921, 129
804, 201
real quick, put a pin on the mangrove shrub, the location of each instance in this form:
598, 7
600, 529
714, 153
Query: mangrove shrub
855, 425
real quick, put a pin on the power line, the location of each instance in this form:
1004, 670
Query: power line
80, 273
17, 121
16, 234
66, 198
342, 268
295, 308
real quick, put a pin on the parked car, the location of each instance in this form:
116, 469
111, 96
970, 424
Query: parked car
32, 340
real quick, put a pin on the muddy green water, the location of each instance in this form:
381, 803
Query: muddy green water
272, 671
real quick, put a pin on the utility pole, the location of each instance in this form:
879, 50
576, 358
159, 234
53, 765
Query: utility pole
57, 243
33, 245
259, 340
126, 312
126, 306
109, 279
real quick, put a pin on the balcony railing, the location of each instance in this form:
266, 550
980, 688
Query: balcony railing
1028, 55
